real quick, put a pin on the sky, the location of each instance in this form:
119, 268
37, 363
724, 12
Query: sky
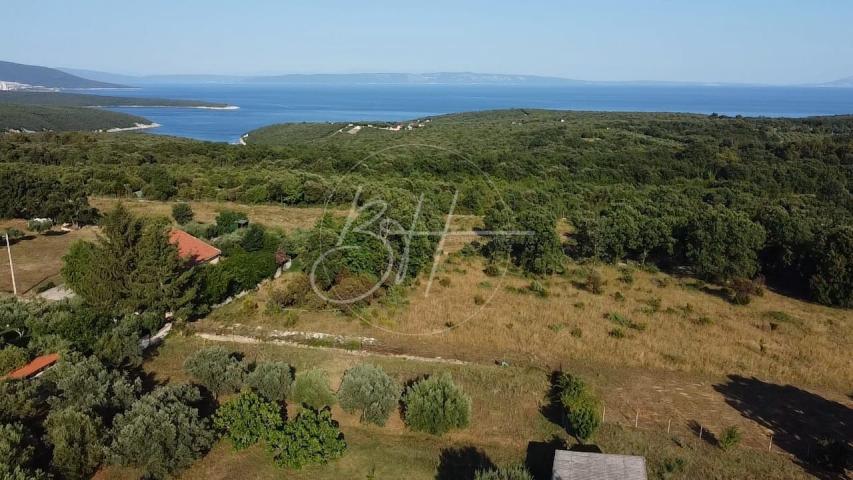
744, 41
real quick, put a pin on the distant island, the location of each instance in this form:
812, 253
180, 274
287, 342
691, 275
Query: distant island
16, 76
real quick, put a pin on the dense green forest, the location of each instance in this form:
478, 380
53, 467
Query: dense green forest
63, 99
732, 199
40, 117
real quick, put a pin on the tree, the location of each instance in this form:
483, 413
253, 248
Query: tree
722, 244
253, 239
730, 438
120, 346
271, 380
515, 472
247, 418
132, 267
312, 388
830, 258
583, 410
162, 432
367, 389
83, 383
12, 357
217, 369
311, 438
75, 437
226, 221
436, 405
182, 213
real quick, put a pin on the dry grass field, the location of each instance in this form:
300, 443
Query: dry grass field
286, 218
507, 426
37, 258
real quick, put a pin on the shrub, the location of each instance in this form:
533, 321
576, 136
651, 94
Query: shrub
742, 290
492, 270
538, 289
217, 369
162, 432
40, 225
594, 283
182, 213
226, 221
582, 408
479, 299
312, 388
75, 437
253, 239
515, 472
730, 438
312, 438
271, 380
247, 418
369, 390
12, 357
436, 405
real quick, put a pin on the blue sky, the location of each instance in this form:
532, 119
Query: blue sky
764, 41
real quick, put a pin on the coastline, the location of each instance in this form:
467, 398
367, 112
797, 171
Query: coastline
138, 126
200, 107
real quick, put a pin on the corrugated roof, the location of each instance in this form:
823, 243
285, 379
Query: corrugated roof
192, 248
597, 466
34, 367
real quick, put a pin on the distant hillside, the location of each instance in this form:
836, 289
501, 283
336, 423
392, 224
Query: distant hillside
38, 118
440, 78
153, 79
842, 82
82, 100
47, 77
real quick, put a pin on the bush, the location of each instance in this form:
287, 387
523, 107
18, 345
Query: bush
75, 437
217, 369
436, 405
538, 289
594, 283
730, 438
271, 380
515, 472
12, 357
582, 408
367, 389
247, 418
312, 438
182, 213
312, 388
162, 432
253, 239
226, 221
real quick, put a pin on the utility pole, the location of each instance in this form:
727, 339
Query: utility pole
11, 267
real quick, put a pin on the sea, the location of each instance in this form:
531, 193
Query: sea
262, 104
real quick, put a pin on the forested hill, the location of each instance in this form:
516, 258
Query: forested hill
730, 198
38, 118
47, 77
63, 99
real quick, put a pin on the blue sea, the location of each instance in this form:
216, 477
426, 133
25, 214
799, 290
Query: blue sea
262, 105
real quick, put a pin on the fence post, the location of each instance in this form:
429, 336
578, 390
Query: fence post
603, 410
700, 431
636, 419
770, 446
668, 425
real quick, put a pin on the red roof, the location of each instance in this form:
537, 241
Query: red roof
33, 367
192, 248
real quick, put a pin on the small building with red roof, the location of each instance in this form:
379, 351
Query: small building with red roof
193, 249
33, 368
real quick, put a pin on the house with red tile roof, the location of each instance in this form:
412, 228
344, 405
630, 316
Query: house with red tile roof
193, 249
33, 368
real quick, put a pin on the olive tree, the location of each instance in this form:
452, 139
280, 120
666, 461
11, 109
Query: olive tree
217, 369
436, 405
162, 432
271, 380
367, 389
